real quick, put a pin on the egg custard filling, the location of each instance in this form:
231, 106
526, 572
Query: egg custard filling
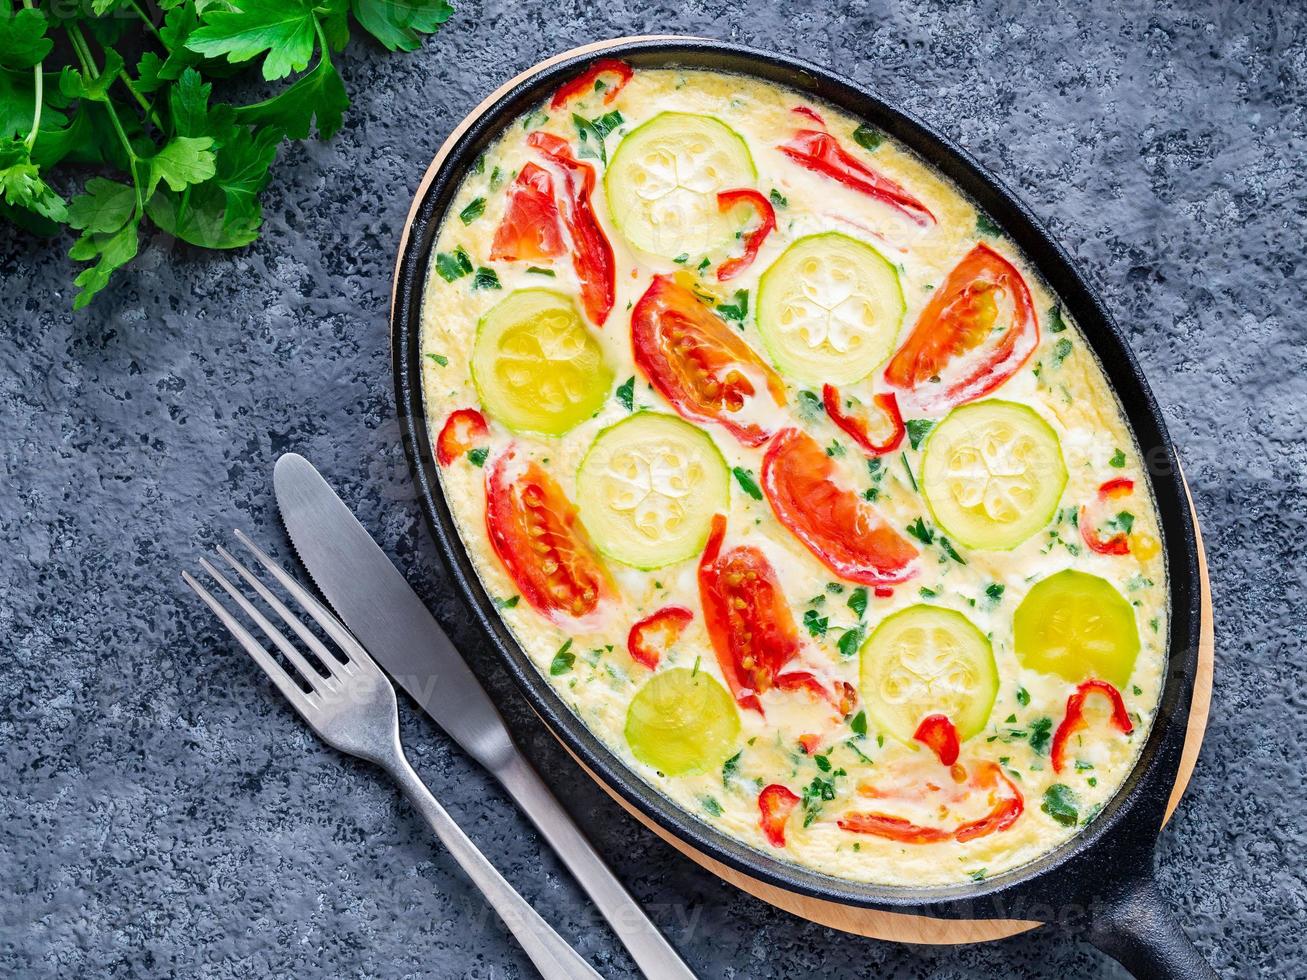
793, 478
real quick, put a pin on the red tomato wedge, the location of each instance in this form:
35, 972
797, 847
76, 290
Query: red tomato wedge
775, 803
699, 364
821, 153
859, 427
938, 734
1074, 721
977, 330
748, 619
651, 636
753, 240
592, 253
534, 530
843, 531
585, 82
530, 228
464, 429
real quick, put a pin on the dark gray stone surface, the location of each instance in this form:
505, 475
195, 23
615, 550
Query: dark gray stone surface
164, 814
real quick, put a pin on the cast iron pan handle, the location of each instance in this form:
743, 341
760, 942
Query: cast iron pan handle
1134, 925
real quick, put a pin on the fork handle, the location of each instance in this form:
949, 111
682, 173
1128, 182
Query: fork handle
652, 953
550, 953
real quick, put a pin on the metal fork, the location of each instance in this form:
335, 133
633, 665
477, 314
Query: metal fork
353, 709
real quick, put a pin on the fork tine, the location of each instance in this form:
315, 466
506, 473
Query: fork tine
289, 689
330, 662
324, 617
314, 679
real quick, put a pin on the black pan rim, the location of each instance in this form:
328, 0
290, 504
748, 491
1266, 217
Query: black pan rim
1078, 869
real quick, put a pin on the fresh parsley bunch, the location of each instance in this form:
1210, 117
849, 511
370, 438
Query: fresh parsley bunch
125, 88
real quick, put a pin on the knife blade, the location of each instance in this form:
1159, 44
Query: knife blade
381, 609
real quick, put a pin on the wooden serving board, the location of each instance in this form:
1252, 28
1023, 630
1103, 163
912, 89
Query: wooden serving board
892, 926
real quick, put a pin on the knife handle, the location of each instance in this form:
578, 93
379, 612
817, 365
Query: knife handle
651, 952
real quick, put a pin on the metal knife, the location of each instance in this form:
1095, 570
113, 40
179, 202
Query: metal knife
380, 608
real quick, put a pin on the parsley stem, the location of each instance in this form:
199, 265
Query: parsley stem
39, 92
83, 52
149, 24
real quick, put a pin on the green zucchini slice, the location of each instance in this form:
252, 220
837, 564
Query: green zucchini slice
648, 489
992, 474
829, 309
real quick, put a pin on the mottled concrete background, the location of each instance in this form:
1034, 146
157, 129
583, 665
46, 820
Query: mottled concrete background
164, 814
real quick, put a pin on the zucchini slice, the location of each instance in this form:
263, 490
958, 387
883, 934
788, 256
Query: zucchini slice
536, 366
663, 180
682, 722
1077, 626
992, 474
829, 309
925, 660
648, 489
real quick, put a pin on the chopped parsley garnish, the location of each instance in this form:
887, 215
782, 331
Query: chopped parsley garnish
817, 794
440, 359
453, 265
1118, 460
859, 724
738, 309
977, 875
535, 270
712, 806
593, 132
810, 404
747, 483
858, 602
917, 429
1041, 733
626, 393
731, 768
508, 603
921, 532
835, 449
850, 641
1055, 322
496, 179
868, 138
778, 199
994, 591
563, 660
926, 593
1061, 804
485, 279
987, 225
479, 164
477, 457
950, 550
908, 469
1125, 521
816, 625
1023, 696
475, 209
681, 259
1061, 351
823, 762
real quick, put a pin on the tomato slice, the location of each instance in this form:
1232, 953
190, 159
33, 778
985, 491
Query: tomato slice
858, 426
1074, 720
585, 82
534, 530
700, 365
592, 253
821, 153
464, 429
753, 240
748, 619
977, 330
846, 533
530, 227
776, 803
938, 733
651, 636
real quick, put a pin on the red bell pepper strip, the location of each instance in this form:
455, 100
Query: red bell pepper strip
938, 734
754, 239
856, 425
1074, 720
584, 82
776, 803
592, 254
809, 113
893, 828
464, 429
1119, 543
529, 229
821, 152
655, 633
1004, 813
801, 680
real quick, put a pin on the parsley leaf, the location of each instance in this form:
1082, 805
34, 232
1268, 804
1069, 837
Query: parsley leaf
747, 483
397, 23
921, 532
1041, 733
477, 457
1061, 803
849, 641
917, 429
626, 393
283, 30
563, 660
485, 279
1055, 322
738, 309
1118, 460
475, 209
453, 265
593, 132
858, 601
778, 199
987, 225
816, 625
867, 138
